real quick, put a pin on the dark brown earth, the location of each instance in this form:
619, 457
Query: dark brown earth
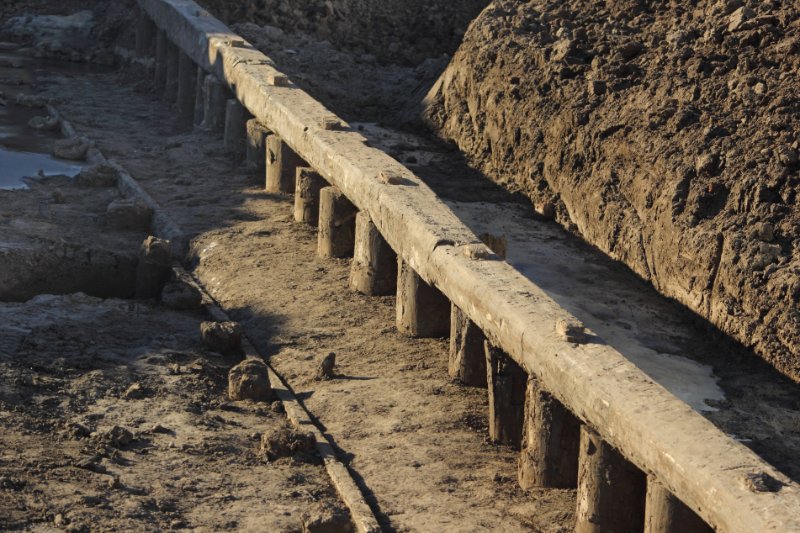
666, 134
392, 31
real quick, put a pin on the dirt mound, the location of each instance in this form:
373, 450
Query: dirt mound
395, 31
664, 133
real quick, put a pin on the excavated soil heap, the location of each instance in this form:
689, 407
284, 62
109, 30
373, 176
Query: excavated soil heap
665, 133
393, 31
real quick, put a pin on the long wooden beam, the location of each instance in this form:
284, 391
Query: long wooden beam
713, 474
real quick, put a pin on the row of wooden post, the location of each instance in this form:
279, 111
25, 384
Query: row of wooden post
556, 449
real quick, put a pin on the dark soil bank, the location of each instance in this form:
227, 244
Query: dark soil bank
665, 133
394, 31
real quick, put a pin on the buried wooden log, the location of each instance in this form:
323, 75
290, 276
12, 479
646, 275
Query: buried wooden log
506, 382
550, 441
187, 88
199, 96
256, 149
215, 98
422, 310
467, 362
308, 185
282, 164
374, 268
145, 31
236, 117
171, 81
664, 513
160, 70
611, 490
336, 236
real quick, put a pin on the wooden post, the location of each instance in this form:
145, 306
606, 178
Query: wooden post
306, 196
282, 163
153, 269
160, 71
506, 382
236, 117
257, 146
550, 442
187, 88
422, 311
144, 34
467, 358
199, 96
171, 83
214, 101
664, 513
374, 269
611, 491
336, 236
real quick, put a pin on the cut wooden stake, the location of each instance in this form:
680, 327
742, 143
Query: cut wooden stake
506, 382
199, 96
336, 236
664, 513
550, 442
145, 31
187, 88
171, 83
257, 146
236, 117
374, 269
422, 311
306, 197
160, 71
282, 164
611, 491
467, 358
215, 98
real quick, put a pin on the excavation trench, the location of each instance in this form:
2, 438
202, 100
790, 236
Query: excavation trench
415, 439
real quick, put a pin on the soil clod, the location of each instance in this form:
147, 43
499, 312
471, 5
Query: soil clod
249, 380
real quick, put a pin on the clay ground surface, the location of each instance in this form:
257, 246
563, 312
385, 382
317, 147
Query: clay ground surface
115, 419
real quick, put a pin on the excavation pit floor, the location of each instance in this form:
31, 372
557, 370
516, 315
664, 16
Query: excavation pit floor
415, 440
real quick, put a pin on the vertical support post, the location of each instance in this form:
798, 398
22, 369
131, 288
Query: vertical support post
214, 101
282, 163
374, 269
145, 29
236, 117
422, 310
153, 269
257, 146
336, 236
199, 96
550, 442
160, 71
187, 88
306, 195
467, 358
611, 491
664, 513
171, 84
506, 382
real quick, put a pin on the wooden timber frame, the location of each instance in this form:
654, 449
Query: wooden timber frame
665, 438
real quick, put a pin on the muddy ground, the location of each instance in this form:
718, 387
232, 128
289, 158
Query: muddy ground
416, 441
665, 134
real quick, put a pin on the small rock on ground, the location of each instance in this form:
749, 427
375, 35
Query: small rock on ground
180, 295
99, 175
325, 370
222, 337
327, 519
129, 214
249, 380
73, 149
286, 442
